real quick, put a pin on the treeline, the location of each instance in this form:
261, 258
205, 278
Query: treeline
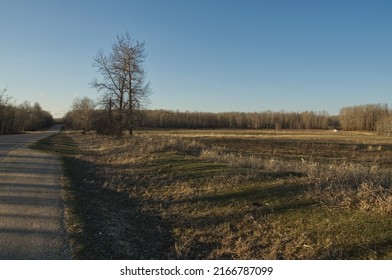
236, 120
86, 117
371, 117
23, 117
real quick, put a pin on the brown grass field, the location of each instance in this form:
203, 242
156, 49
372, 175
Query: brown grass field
220, 194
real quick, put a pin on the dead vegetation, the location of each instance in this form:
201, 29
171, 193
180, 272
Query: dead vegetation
204, 200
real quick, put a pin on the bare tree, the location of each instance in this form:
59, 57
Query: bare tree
3, 91
15, 119
364, 117
6, 112
82, 113
123, 84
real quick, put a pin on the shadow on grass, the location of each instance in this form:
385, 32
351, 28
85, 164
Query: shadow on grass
103, 223
58, 143
107, 224
254, 195
110, 224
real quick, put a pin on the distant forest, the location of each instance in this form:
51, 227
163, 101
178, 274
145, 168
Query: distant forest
22, 117
237, 120
371, 117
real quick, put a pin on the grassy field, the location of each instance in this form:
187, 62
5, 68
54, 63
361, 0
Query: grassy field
228, 194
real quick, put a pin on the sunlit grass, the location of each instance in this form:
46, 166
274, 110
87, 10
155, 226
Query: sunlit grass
217, 195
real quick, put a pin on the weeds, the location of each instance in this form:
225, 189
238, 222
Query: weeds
339, 184
350, 185
217, 203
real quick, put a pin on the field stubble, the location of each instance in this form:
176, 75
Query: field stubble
228, 195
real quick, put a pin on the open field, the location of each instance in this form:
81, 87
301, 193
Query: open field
223, 194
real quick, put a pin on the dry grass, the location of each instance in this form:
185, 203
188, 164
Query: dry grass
341, 183
247, 201
344, 184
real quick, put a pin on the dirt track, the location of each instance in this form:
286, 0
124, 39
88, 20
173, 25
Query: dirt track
31, 209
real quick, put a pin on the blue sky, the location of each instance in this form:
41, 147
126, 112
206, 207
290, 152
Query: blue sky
206, 55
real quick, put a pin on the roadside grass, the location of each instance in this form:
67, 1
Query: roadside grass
225, 195
58, 143
101, 223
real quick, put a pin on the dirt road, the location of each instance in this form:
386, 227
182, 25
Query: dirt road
31, 209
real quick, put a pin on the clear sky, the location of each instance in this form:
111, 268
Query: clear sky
204, 55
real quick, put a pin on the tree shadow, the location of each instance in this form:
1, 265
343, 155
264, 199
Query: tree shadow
109, 224
31, 208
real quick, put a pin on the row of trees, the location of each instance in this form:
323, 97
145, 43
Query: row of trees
84, 116
370, 117
22, 117
236, 120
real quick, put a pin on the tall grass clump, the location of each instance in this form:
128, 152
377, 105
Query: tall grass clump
219, 154
350, 185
